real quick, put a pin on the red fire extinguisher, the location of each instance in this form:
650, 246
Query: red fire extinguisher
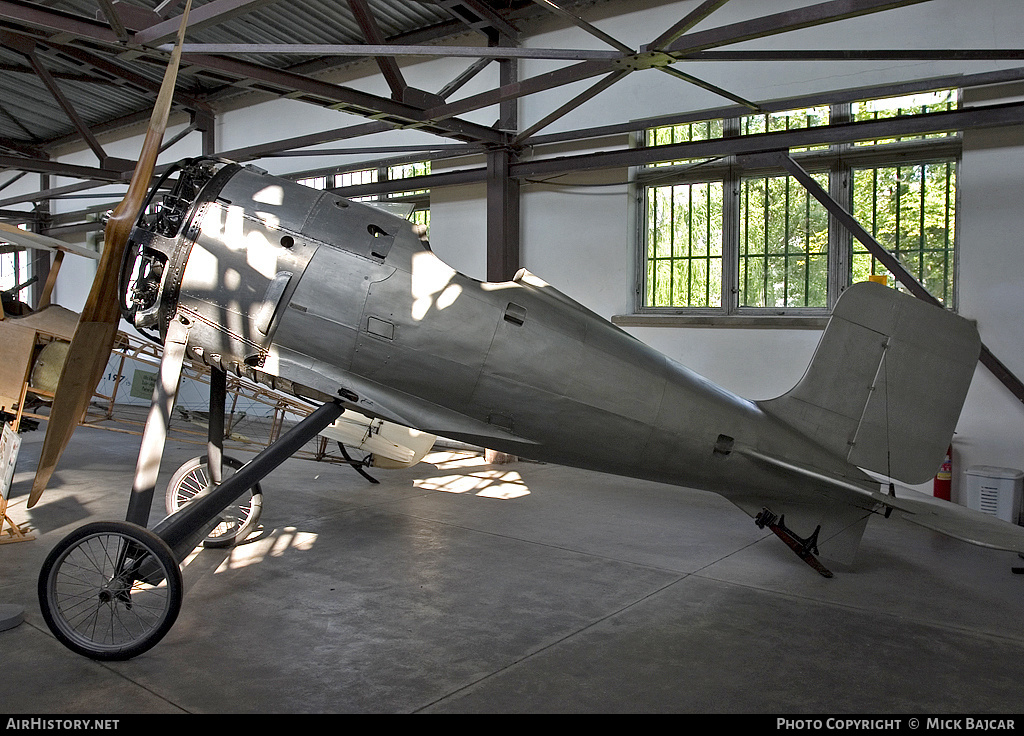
944, 478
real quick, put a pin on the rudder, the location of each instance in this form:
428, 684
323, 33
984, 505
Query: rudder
886, 384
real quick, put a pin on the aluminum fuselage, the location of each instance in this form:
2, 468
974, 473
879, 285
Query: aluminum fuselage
331, 299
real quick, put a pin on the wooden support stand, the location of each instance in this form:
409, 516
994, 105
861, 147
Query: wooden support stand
10, 531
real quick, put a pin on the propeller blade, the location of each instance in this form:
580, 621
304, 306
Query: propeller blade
97, 326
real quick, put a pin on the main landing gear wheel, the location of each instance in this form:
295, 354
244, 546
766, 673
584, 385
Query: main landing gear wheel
236, 521
110, 590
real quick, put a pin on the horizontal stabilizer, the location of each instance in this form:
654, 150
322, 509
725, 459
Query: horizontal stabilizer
957, 521
886, 385
936, 514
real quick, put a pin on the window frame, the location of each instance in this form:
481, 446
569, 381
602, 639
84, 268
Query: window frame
380, 171
839, 161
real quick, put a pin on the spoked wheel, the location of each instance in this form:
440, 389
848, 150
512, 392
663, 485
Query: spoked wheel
237, 521
110, 590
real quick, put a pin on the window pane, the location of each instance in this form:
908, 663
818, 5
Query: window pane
686, 133
404, 171
421, 217
8, 271
789, 120
14, 268
910, 210
684, 245
352, 178
891, 107
420, 168
314, 182
783, 258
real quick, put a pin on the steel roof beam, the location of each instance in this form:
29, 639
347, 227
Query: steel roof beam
713, 88
784, 22
812, 15
789, 103
284, 81
467, 74
344, 98
391, 49
16, 145
691, 19
571, 105
479, 17
588, 27
99, 63
50, 20
966, 119
859, 55
69, 109
126, 75
43, 166
54, 193
114, 20
935, 122
372, 33
250, 153
210, 14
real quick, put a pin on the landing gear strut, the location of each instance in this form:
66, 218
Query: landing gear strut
111, 590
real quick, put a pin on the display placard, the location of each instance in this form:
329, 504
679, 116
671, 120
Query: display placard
10, 443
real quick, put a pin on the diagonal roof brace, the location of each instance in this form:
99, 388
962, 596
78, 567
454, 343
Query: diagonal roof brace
887, 259
51, 84
371, 31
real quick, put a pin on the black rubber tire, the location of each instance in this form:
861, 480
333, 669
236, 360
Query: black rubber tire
94, 599
237, 521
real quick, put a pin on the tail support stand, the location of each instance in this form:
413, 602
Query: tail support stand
356, 465
805, 549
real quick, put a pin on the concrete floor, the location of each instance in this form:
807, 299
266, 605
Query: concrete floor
460, 587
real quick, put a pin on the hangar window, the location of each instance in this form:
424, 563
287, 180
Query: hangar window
719, 238
419, 199
14, 268
8, 270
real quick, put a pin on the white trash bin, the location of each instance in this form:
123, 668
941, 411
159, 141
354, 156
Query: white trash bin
995, 491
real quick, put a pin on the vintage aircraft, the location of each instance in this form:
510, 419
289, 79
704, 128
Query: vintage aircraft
345, 306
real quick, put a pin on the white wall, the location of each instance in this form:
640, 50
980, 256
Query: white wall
583, 239
991, 272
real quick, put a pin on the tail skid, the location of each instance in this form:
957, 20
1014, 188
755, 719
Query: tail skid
805, 549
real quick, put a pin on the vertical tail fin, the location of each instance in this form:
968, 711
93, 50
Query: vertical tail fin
886, 384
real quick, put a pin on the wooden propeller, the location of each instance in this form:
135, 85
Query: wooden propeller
97, 326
